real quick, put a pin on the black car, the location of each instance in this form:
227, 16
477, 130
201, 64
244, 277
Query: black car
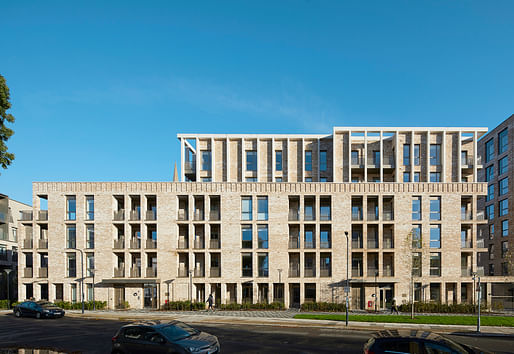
38, 309
157, 337
415, 342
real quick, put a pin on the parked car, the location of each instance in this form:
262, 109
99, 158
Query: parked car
157, 337
415, 342
38, 309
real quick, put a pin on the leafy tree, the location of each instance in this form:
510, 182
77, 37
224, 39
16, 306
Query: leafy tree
5, 133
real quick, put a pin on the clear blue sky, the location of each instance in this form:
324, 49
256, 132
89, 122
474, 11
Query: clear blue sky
101, 88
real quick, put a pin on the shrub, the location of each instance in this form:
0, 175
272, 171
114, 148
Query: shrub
436, 307
100, 305
323, 306
183, 306
4, 304
250, 306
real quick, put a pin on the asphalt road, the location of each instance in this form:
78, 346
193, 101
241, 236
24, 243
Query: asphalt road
94, 336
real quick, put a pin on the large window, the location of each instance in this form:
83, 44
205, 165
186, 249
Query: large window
90, 236
406, 154
489, 150
416, 236
308, 160
71, 236
416, 208
504, 186
206, 160
90, 264
262, 208
435, 154
489, 173
251, 160
504, 207
489, 212
246, 265
435, 176
355, 157
376, 158
325, 241
503, 141
71, 207
503, 165
435, 208
406, 176
490, 192
309, 239
416, 176
323, 160
416, 264
262, 233
71, 264
90, 207
505, 228
246, 235
262, 260
505, 248
246, 208
435, 236
435, 264
416, 155
278, 160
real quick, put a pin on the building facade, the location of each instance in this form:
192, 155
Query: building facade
261, 218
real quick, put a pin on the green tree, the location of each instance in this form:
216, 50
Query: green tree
5, 133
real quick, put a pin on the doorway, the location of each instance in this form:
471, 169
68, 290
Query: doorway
150, 296
119, 297
294, 295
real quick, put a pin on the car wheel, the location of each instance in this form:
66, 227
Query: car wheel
38, 315
17, 313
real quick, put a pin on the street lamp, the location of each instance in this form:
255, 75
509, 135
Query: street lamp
191, 290
92, 271
376, 274
347, 288
479, 290
7, 271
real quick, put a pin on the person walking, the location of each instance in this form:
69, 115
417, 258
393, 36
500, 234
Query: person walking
210, 300
394, 308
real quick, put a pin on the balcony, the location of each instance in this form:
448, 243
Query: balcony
480, 271
26, 215
151, 215
135, 272
388, 271
325, 272
388, 162
27, 243
119, 272
388, 243
135, 243
190, 167
372, 216
294, 270
183, 272
135, 215
467, 163
309, 272
357, 243
480, 216
151, 272
199, 272
480, 243
119, 215
325, 244
214, 244
43, 272
43, 243
151, 244
294, 242
356, 272
309, 244
465, 272
183, 243
27, 272
372, 271
43, 215
357, 216
372, 243
215, 272
119, 244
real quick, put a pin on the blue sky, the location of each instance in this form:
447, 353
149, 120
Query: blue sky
100, 89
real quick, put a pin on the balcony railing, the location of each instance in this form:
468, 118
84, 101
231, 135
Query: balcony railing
215, 272
467, 162
325, 272
214, 244
119, 272
119, 244
43, 243
294, 215
151, 272
309, 272
199, 272
198, 215
43, 272
135, 243
465, 244
372, 271
465, 271
119, 215
357, 161
465, 215
151, 244
27, 272
294, 242
199, 243
325, 244
388, 161
183, 272
372, 216
480, 271
151, 215
182, 215
135, 272
388, 215
480, 216
388, 243
214, 215
357, 243
135, 215
43, 215
309, 244
357, 216
27, 243
190, 167
372, 243
309, 217
325, 217
26, 215
356, 272
480, 243
294, 270
183, 243
387, 271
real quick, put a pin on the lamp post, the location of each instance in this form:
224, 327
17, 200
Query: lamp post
7, 271
479, 295
82, 278
191, 290
376, 274
347, 288
92, 271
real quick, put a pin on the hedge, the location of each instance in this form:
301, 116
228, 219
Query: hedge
183, 306
250, 306
323, 306
100, 305
436, 307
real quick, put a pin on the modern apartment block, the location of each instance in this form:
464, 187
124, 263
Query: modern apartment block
9, 225
261, 218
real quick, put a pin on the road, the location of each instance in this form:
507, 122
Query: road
94, 336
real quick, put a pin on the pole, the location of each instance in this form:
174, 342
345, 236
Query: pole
376, 273
94, 303
191, 290
412, 294
479, 296
347, 276
82, 278
7, 271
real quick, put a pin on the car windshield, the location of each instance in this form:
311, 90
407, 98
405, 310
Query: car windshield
176, 331
47, 305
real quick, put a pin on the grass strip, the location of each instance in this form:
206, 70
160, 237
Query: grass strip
503, 321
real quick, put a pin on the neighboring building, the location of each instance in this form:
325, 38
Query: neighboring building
264, 217
9, 225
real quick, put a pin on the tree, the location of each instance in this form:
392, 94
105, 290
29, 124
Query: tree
6, 157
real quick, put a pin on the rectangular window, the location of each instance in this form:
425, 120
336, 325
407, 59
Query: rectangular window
464, 158
504, 207
246, 208
323, 179
323, 160
505, 248
376, 158
435, 236
89, 292
90, 207
489, 150
206, 160
406, 155
503, 141
246, 235
416, 208
416, 236
251, 179
489, 173
435, 264
262, 261
416, 176
251, 160
71, 207
325, 240
262, 233
491, 231
72, 265
489, 212
308, 179
90, 264
505, 228
73, 291
503, 165
490, 192
406, 176
278, 160
435, 154
504, 186
90, 236
416, 264
278, 179
435, 176
246, 265
71, 236
308, 160
309, 239
262, 208
435, 208
416, 155
355, 157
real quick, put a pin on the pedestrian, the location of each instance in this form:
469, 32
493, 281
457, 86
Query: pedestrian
394, 308
210, 300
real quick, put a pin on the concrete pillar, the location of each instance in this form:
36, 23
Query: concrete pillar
286, 295
459, 153
475, 158
286, 152
223, 293
381, 156
365, 155
239, 292
228, 162
349, 156
273, 159
182, 152
213, 161
303, 160
243, 160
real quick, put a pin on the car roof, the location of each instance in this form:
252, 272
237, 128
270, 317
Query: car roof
413, 334
151, 323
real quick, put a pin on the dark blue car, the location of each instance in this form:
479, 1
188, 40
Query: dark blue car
38, 309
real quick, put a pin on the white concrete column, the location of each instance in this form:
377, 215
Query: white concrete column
223, 293
459, 169
397, 157
228, 164
182, 152
197, 160
319, 157
273, 159
365, 155
243, 160
443, 157
288, 179
303, 160
475, 159
411, 152
213, 161
349, 155
239, 292
258, 149
427, 162
381, 156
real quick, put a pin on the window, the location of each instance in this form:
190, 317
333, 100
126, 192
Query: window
435, 154
89, 292
505, 228
73, 291
90, 236
251, 160
491, 231
435, 264
435, 236
489, 212
416, 176
262, 261
278, 179
504, 207
406, 176
503, 141
435, 176
416, 208
355, 157
308, 160
416, 154
309, 239
251, 179
376, 158
246, 235
206, 179
504, 186
246, 208
246, 263
505, 268
406, 155
206, 160
416, 236
323, 160
491, 252
262, 208
505, 248
464, 158
503, 165
490, 192
489, 150
325, 241
71, 236
416, 264
90, 264
308, 179
278, 160
491, 269
262, 233
435, 208
90, 207
489, 173
72, 264
323, 179
71, 207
